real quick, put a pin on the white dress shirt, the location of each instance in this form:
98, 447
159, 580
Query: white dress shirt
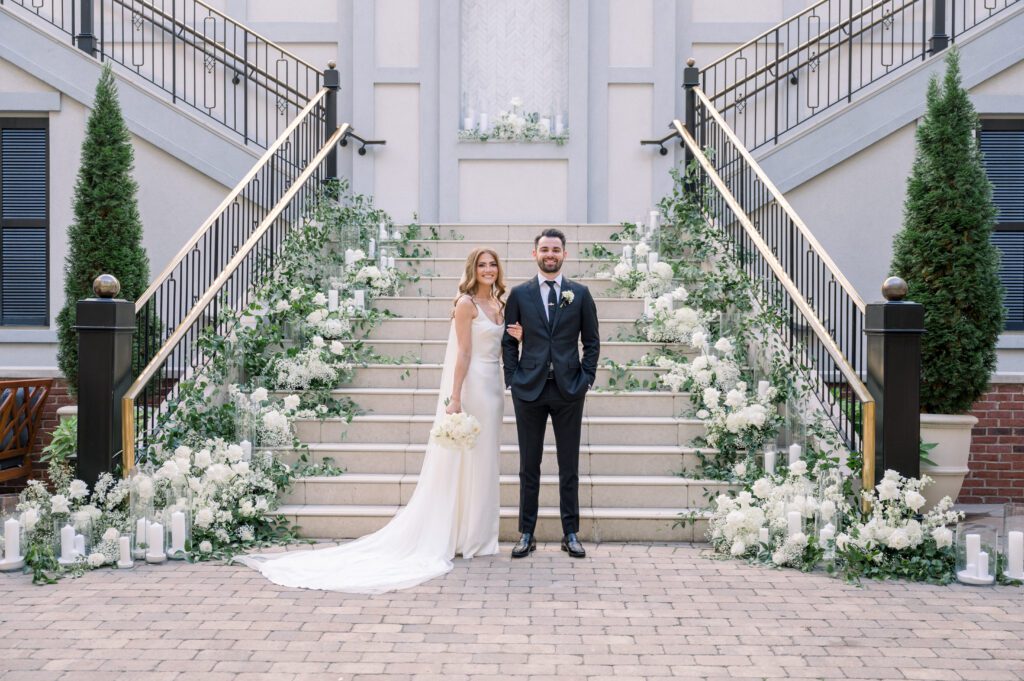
544, 292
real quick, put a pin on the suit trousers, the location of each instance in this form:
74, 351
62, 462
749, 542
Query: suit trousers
531, 423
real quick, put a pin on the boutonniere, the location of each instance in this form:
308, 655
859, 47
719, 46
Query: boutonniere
567, 298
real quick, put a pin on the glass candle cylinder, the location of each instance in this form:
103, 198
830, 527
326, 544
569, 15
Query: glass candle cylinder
1013, 533
977, 553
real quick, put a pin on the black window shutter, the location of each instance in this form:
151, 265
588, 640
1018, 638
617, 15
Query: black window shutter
24, 280
1002, 143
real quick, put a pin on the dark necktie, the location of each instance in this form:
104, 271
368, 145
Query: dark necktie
552, 301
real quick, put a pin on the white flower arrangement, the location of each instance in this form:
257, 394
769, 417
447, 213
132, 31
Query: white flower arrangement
456, 431
516, 126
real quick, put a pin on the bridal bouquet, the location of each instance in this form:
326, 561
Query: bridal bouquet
456, 431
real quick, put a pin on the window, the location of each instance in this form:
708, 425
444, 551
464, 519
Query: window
24, 222
1002, 143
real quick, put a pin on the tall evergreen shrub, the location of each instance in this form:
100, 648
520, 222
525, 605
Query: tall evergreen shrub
945, 253
106, 236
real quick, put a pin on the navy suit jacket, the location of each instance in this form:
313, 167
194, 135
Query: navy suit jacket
556, 346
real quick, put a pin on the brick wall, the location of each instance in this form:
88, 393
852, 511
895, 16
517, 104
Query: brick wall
997, 448
58, 398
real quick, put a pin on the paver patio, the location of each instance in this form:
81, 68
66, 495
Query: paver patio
626, 611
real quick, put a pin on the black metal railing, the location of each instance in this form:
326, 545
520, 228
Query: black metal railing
160, 310
231, 288
826, 54
199, 56
768, 245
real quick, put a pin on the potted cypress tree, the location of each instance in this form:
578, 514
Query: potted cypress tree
945, 254
106, 236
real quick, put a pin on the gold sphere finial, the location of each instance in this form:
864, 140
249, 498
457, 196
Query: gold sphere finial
691, 61
106, 286
894, 289
331, 64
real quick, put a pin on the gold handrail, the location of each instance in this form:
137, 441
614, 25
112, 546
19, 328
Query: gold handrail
128, 400
802, 46
232, 195
780, 199
848, 372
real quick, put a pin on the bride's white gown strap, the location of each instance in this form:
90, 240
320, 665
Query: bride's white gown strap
453, 510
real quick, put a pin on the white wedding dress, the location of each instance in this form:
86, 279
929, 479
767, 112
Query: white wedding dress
453, 510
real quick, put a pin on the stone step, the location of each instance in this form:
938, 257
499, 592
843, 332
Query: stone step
595, 491
594, 459
403, 429
499, 233
519, 248
447, 286
422, 306
429, 376
436, 328
596, 524
423, 401
432, 351
513, 267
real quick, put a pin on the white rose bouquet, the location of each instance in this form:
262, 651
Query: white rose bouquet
456, 431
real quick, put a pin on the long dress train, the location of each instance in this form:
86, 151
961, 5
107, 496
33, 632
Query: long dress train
453, 510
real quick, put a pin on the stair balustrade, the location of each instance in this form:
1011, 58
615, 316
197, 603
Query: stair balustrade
827, 53
202, 58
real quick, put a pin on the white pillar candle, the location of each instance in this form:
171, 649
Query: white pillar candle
559, 124
382, 233
973, 543
155, 552
652, 258
125, 547
763, 536
359, 296
140, 531
350, 257
332, 300
397, 234
794, 453
982, 565
467, 123
826, 534
648, 307
795, 522
627, 254
80, 544
246, 447
484, 121
545, 125
391, 262
12, 540
655, 216
67, 544
371, 251
1015, 554
177, 532
769, 461
762, 389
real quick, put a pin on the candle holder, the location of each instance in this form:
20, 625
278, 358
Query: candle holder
126, 555
1013, 531
178, 531
12, 536
827, 524
977, 553
69, 542
770, 458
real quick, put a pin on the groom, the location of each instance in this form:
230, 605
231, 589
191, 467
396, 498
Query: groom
548, 379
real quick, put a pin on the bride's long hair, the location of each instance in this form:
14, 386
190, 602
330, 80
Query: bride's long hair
468, 284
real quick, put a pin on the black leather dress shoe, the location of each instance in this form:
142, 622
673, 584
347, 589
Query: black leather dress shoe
571, 544
524, 546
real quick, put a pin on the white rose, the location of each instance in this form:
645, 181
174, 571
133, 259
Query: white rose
738, 548
828, 509
246, 508
762, 488
234, 453
724, 346
703, 414
621, 271
78, 490
294, 294
59, 504
642, 250
320, 299
205, 546
798, 468
111, 534
29, 518
888, 490
710, 397
899, 539
282, 306
96, 560
735, 399
740, 469
914, 500
183, 452
698, 339
943, 537
259, 395
204, 518
318, 342
240, 468
292, 402
337, 347
203, 459
316, 316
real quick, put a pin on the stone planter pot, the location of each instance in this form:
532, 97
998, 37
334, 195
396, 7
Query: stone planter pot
64, 413
952, 435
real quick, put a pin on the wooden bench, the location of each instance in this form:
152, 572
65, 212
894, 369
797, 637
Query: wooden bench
21, 410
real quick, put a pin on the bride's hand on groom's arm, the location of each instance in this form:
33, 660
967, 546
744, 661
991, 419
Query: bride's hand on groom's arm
516, 331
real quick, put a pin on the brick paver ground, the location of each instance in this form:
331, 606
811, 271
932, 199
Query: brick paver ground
624, 612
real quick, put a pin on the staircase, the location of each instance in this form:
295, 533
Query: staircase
634, 446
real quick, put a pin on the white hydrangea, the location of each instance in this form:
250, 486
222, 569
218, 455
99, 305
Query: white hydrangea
78, 490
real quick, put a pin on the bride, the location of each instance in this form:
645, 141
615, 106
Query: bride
454, 508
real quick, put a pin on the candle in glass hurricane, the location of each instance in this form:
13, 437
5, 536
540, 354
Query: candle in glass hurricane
124, 545
155, 553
